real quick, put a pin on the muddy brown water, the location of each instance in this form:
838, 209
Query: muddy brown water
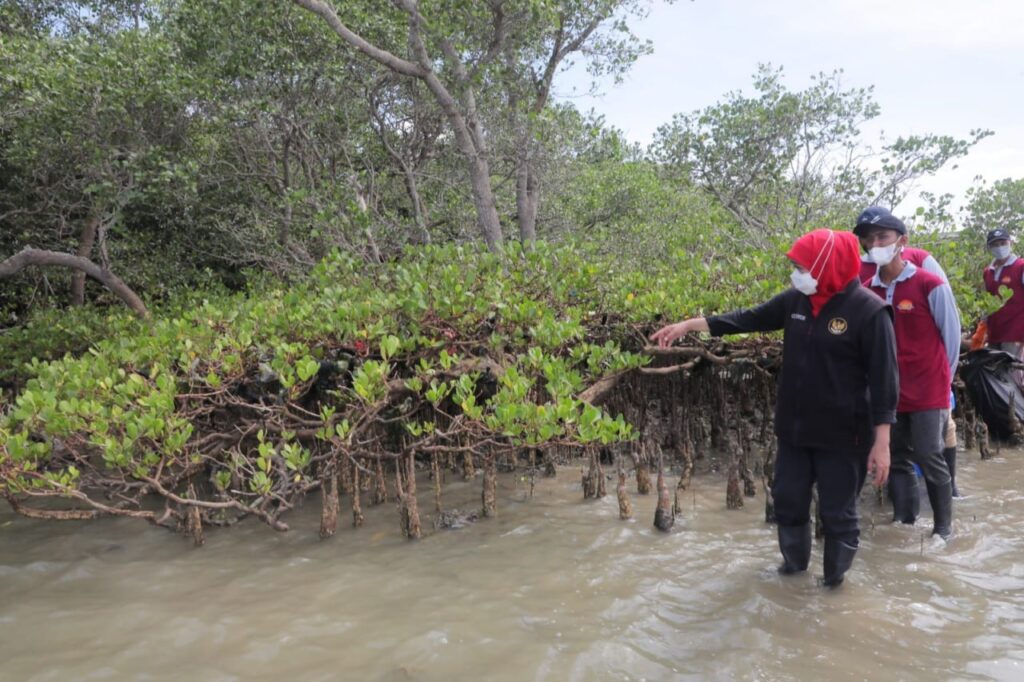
554, 588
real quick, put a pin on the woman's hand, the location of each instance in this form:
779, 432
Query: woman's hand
878, 458
665, 336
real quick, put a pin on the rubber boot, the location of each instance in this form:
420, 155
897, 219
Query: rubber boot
906, 499
949, 454
941, 499
838, 557
795, 545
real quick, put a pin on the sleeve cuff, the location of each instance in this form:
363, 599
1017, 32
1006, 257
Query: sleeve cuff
880, 418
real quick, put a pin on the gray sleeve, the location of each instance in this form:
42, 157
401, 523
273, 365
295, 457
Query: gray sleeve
932, 266
947, 319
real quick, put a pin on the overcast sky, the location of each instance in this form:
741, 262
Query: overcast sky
938, 66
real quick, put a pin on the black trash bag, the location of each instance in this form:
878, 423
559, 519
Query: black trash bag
988, 375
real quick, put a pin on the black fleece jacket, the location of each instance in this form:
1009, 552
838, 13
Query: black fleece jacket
839, 375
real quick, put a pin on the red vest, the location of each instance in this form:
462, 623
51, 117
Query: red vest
1007, 323
920, 352
909, 253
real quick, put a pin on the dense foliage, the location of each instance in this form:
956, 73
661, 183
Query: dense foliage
262, 394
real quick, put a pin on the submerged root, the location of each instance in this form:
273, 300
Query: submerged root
329, 512
357, 507
664, 519
380, 489
625, 507
643, 472
488, 496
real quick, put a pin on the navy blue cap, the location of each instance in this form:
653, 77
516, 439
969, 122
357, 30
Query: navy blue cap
996, 235
877, 216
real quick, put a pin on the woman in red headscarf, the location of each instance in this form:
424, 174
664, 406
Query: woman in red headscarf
837, 393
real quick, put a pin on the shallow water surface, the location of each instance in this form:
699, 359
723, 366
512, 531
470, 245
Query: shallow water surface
554, 588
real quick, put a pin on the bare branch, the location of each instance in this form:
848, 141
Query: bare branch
28, 257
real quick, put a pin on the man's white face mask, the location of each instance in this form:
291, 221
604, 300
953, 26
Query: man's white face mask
883, 255
1000, 252
803, 282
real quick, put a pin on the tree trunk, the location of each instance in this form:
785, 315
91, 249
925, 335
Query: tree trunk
463, 118
28, 257
419, 211
526, 195
85, 244
483, 200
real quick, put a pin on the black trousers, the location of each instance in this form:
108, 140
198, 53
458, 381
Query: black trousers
840, 476
918, 437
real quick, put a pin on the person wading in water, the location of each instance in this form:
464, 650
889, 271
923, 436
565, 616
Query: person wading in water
927, 349
837, 394
875, 257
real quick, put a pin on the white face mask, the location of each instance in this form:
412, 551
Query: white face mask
1000, 252
803, 282
882, 255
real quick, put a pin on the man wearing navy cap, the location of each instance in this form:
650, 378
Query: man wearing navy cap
882, 217
879, 217
927, 326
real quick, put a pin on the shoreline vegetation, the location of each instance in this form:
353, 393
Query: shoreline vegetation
251, 251
358, 377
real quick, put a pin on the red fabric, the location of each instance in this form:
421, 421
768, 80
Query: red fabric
832, 258
914, 255
1007, 323
920, 351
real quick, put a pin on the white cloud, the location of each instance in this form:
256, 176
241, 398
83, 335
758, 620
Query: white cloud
941, 24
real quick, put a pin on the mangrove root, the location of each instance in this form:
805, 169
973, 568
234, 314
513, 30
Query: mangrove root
380, 490
767, 480
981, 433
329, 513
643, 472
664, 519
625, 507
357, 507
488, 495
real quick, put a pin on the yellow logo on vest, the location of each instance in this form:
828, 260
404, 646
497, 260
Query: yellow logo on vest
837, 326
905, 306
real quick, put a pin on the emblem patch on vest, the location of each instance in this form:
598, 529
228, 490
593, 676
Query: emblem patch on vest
906, 305
1005, 279
837, 326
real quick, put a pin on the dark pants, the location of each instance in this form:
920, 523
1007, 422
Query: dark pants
918, 437
839, 474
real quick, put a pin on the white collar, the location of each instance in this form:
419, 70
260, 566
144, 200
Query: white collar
908, 271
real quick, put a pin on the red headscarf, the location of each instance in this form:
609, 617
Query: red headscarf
832, 258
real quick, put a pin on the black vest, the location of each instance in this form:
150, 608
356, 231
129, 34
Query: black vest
823, 398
